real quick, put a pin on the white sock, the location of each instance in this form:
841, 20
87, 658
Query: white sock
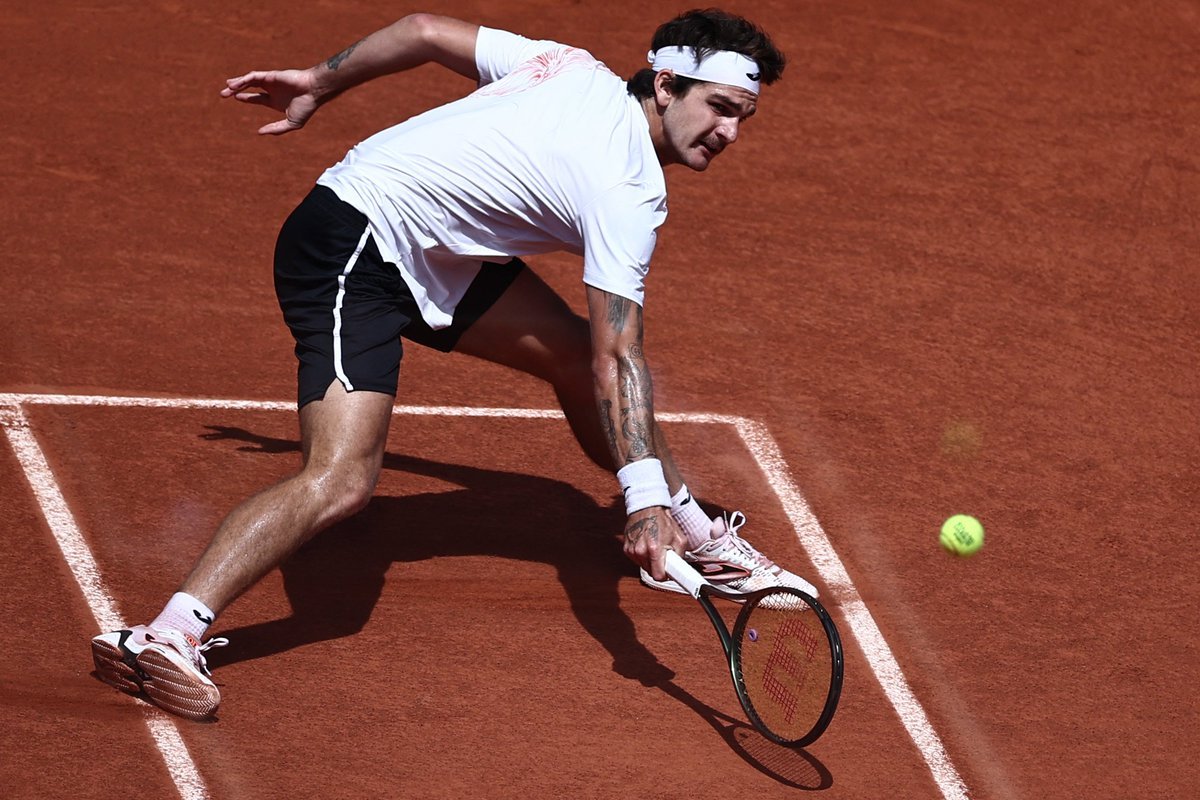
697, 526
186, 614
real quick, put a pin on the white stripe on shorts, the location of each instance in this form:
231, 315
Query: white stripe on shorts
337, 313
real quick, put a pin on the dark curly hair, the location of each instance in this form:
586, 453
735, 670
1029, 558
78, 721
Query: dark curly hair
708, 31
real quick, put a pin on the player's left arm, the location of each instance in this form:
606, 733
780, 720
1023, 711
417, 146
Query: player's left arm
407, 43
625, 399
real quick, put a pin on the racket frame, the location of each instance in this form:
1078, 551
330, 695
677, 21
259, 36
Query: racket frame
695, 585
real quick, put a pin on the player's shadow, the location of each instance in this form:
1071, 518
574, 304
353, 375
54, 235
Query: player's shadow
334, 582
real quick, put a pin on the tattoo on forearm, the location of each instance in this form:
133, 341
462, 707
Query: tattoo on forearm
637, 441
610, 427
634, 401
643, 527
637, 405
336, 61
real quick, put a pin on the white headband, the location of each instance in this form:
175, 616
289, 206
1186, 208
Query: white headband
723, 66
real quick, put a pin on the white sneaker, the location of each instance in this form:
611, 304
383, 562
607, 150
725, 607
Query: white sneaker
730, 562
165, 664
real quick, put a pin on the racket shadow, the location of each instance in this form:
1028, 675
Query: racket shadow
334, 582
790, 766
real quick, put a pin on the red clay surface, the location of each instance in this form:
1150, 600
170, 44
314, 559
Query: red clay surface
951, 266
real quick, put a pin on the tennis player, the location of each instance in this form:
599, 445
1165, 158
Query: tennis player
418, 234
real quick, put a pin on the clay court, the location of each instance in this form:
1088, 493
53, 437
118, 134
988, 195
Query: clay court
949, 268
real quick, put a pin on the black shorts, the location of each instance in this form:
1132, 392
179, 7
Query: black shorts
347, 308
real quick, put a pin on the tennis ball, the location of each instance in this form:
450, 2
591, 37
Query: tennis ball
962, 535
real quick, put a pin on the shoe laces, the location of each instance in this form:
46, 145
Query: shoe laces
184, 645
734, 523
216, 641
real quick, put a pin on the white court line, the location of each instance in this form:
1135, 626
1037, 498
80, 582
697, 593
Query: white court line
110, 401
754, 435
87, 574
887, 670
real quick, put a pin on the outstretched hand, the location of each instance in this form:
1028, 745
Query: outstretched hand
291, 91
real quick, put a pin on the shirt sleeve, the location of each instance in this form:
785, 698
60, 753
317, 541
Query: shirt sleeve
498, 52
620, 230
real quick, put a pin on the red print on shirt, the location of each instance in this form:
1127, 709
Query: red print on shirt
540, 68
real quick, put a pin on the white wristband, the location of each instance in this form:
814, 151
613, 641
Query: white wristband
644, 485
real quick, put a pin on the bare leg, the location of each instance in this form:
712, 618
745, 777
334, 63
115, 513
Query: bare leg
531, 329
343, 437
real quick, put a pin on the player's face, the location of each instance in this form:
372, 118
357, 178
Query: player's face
702, 123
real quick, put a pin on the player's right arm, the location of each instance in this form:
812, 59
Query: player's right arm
625, 398
409, 42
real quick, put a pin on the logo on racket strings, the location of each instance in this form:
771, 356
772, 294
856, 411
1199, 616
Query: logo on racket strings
786, 671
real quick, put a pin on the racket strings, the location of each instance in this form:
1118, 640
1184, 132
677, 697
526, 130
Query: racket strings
785, 665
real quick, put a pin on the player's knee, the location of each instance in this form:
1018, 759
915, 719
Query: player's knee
344, 489
354, 497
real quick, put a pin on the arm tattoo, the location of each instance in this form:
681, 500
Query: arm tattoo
336, 61
610, 427
634, 400
618, 311
637, 406
643, 527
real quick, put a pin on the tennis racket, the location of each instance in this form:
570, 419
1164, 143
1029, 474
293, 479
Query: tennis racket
785, 656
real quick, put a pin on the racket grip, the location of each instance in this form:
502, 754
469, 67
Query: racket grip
683, 574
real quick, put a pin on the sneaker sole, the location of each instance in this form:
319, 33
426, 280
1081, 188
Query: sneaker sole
174, 690
674, 588
112, 669
159, 679
660, 588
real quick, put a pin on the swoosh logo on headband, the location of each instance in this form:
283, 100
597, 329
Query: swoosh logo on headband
753, 75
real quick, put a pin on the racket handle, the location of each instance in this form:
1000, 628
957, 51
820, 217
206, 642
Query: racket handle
683, 574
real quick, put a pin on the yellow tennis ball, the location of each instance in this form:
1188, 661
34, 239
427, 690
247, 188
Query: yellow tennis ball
962, 535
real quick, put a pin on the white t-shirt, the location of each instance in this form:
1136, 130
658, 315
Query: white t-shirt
550, 153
